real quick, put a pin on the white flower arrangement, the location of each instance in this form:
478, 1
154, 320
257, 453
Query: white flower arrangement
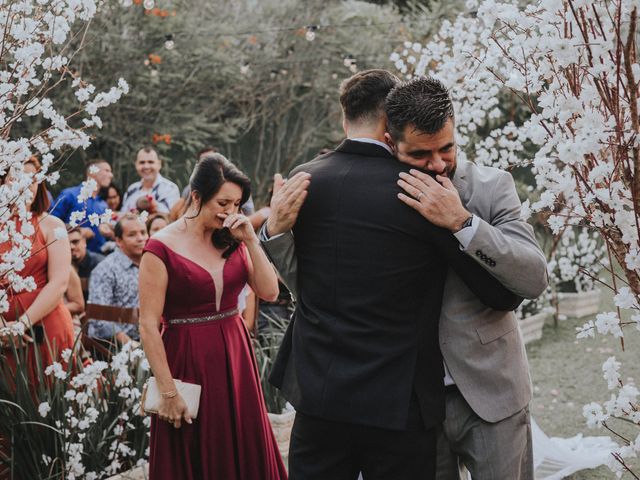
85, 417
38, 45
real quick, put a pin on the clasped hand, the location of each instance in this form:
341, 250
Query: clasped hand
6, 340
174, 410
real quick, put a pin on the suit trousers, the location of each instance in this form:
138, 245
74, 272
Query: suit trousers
325, 450
490, 451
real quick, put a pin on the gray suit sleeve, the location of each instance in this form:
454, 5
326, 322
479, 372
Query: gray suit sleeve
507, 246
281, 251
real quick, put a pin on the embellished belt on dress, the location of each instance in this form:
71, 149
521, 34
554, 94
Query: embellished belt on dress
208, 318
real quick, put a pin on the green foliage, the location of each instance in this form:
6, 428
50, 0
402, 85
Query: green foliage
266, 347
242, 77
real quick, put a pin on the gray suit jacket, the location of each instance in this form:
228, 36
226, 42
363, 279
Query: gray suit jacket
482, 348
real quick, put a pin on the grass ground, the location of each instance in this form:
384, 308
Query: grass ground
567, 374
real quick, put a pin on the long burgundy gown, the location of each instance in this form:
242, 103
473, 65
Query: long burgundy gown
231, 439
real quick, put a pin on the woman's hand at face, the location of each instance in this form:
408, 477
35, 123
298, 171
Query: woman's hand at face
174, 410
239, 226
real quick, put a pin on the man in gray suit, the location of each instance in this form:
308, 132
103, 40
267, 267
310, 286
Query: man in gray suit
487, 426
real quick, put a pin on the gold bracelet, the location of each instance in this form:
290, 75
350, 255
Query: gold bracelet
171, 394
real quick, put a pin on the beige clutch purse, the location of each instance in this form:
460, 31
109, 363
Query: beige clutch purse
150, 400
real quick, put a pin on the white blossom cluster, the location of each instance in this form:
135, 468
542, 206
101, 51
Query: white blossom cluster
578, 251
87, 402
35, 60
573, 66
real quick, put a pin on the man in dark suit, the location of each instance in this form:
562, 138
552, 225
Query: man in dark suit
360, 361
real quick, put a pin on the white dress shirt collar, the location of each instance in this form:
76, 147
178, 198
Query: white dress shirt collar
374, 141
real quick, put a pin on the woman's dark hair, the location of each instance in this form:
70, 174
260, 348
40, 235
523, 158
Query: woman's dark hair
155, 216
104, 194
209, 174
41, 202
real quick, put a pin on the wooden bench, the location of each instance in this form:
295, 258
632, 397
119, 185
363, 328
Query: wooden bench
98, 347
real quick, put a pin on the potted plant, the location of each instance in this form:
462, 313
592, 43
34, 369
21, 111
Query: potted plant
574, 265
532, 315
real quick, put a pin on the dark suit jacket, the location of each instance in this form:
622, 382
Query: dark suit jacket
371, 272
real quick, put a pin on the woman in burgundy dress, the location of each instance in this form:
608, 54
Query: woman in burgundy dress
190, 278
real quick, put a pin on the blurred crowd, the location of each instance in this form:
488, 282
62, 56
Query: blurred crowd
101, 294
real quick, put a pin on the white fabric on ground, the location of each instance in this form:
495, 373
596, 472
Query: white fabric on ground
556, 458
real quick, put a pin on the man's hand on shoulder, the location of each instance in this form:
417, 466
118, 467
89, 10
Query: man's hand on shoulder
286, 201
437, 199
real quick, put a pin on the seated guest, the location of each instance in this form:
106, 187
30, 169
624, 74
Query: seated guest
114, 281
74, 299
156, 222
67, 202
146, 204
113, 196
83, 260
163, 191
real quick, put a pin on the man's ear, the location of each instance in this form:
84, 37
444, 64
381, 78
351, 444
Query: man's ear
389, 141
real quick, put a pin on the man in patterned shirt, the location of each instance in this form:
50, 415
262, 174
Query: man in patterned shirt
164, 192
114, 281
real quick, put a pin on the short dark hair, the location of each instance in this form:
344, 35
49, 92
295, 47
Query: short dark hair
73, 229
362, 96
91, 163
423, 102
147, 149
118, 231
205, 150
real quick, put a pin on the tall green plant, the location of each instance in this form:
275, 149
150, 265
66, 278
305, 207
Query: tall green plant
266, 347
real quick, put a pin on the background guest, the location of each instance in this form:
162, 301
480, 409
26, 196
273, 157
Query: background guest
113, 196
147, 204
82, 259
164, 192
67, 202
114, 281
156, 222
73, 297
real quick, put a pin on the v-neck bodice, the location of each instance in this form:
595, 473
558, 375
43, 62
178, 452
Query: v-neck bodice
191, 290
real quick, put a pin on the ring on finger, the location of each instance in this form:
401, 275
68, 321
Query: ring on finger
420, 195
